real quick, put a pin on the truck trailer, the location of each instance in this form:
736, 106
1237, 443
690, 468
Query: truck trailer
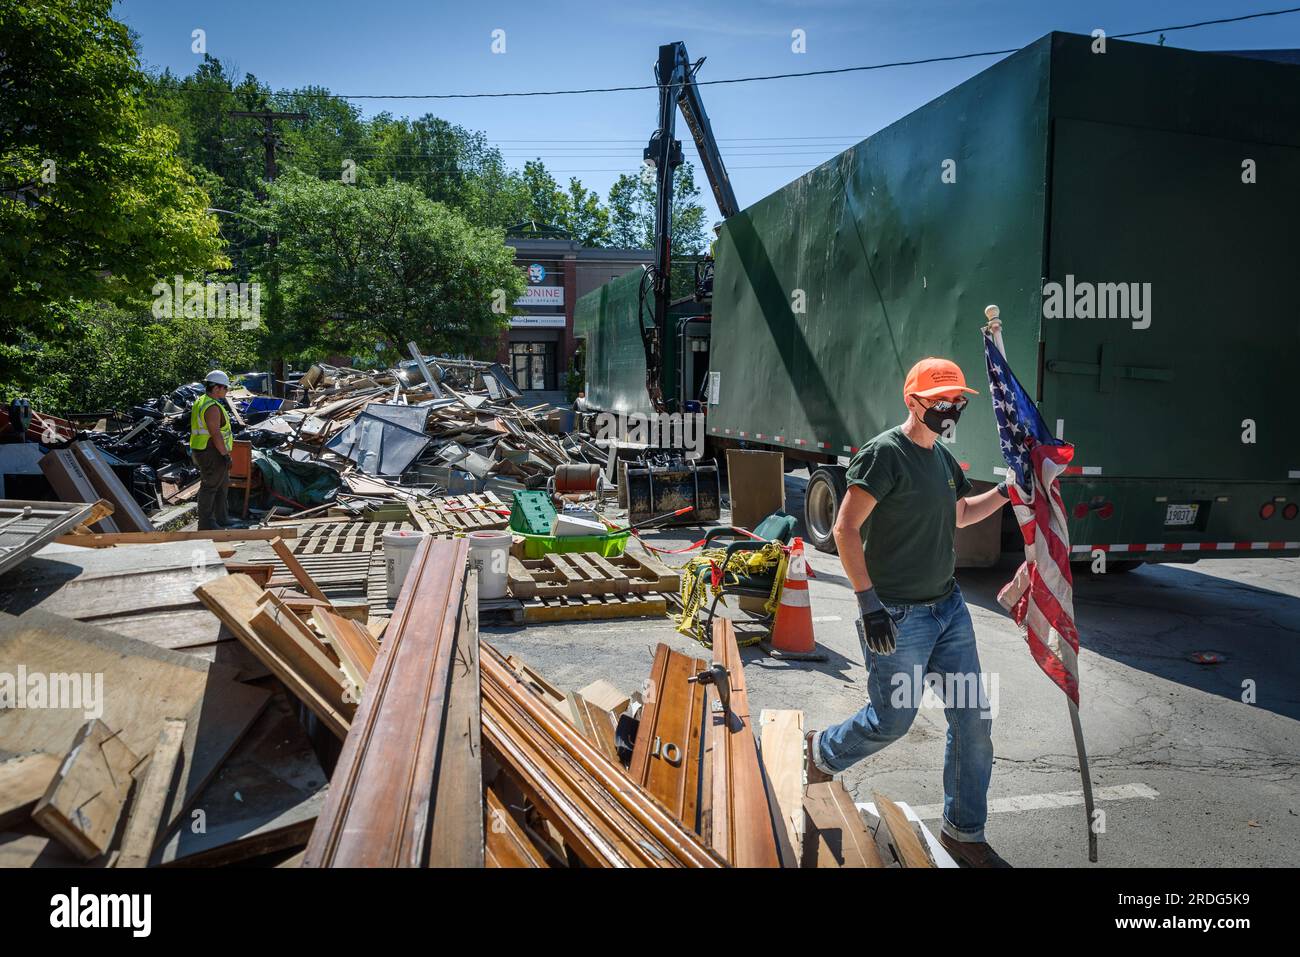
1160, 336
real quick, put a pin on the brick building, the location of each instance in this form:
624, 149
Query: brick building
538, 347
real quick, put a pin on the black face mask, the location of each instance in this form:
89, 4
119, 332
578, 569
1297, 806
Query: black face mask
937, 421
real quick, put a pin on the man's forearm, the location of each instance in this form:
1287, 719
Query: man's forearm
976, 508
849, 544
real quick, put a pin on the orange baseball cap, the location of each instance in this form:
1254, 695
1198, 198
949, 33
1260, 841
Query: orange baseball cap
933, 376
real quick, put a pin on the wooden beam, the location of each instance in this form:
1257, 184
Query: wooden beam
151, 800
153, 538
404, 767
742, 827
782, 756
296, 570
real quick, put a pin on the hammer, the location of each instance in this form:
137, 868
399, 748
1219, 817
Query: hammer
718, 677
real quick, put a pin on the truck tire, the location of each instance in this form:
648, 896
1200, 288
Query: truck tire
821, 503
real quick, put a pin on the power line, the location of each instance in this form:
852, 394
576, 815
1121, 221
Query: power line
754, 79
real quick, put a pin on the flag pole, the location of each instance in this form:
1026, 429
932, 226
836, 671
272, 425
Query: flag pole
994, 331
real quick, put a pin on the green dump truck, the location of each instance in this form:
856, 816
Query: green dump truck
1135, 213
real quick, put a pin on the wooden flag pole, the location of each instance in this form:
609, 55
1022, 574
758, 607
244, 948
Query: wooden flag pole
994, 331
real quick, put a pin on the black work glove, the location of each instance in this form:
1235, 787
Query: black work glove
1002, 490
876, 629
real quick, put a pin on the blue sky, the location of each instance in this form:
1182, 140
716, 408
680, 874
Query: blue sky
770, 132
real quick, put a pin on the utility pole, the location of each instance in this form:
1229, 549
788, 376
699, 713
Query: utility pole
270, 141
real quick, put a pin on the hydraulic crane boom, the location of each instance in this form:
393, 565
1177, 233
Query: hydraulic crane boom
675, 75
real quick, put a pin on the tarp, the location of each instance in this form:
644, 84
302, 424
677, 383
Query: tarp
307, 483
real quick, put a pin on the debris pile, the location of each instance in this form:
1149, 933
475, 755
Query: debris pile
316, 687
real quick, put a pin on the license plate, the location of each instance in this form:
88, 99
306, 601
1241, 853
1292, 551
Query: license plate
1180, 514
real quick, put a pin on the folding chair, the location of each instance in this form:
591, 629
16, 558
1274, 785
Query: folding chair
777, 527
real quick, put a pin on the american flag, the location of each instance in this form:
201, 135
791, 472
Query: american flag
1041, 595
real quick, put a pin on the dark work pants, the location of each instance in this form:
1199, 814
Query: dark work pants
214, 482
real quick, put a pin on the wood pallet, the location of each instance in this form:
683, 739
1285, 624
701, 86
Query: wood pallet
593, 607
465, 513
345, 537
587, 573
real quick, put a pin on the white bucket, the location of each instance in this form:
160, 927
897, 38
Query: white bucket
399, 551
489, 552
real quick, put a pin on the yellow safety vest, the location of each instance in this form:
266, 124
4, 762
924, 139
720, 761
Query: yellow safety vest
199, 423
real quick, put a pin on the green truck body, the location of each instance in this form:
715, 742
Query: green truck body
1171, 170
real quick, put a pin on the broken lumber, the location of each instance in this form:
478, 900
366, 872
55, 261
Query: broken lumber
147, 809
83, 803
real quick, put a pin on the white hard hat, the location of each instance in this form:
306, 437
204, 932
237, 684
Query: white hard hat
217, 377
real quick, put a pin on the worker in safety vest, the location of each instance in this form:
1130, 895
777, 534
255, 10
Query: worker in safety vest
910, 495
210, 448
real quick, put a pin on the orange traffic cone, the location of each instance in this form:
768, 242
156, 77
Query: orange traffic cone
792, 633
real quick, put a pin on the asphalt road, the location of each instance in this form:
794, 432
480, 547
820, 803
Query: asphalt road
1187, 773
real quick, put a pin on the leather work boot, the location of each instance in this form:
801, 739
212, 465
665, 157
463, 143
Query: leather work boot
971, 853
815, 774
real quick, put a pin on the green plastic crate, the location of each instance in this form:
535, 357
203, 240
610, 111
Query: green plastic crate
532, 513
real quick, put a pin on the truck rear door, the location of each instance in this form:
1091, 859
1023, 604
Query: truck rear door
1214, 260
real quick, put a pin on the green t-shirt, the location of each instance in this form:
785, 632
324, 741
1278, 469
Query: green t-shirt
908, 537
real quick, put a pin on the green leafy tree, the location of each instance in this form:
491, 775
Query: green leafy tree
632, 213
114, 357
364, 265
94, 201
585, 218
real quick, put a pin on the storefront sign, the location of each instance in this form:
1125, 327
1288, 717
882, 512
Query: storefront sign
536, 322
541, 296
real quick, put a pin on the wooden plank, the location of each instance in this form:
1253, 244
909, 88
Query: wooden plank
142, 827
667, 755
22, 782
296, 569
235, 600
596, 724
834, 833
456, 837
507, 845
141, 685
782, 756
742, 828
352, 641
83, 803
386, 794
900, 835
154, 538
603, 694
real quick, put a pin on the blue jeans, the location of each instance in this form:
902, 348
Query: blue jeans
937, 641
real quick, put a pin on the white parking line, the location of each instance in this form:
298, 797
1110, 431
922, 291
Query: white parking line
1037, 802
827, 618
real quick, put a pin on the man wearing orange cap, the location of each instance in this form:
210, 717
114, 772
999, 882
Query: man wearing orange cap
909, 495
